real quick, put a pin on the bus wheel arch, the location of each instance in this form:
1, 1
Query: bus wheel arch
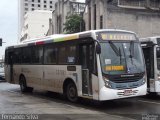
70, 90
23, 84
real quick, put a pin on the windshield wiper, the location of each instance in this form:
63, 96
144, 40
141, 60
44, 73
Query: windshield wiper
115, 49
132, 49
132, 52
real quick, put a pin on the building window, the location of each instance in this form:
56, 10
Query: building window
50, 2
44, 1
39, 1
32, 5
101, 22
45, 6
26, 9
26, 4
50, 6
39, 5
32, 9
32, 0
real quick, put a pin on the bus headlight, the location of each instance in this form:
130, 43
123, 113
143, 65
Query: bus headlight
107, 83
144, 79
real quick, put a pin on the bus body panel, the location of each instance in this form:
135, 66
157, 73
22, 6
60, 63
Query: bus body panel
95, 87
7, 73
157, 86
47, 77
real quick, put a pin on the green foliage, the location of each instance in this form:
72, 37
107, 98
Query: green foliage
74, 23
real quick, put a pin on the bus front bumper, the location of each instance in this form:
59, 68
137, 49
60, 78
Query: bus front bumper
110, 94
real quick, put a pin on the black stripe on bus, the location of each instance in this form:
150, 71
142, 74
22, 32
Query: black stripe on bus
85, 35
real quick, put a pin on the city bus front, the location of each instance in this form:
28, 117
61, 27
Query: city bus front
122, 66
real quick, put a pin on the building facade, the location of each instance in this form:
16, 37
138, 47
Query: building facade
36, 24
31, 5
140, 16
64, 8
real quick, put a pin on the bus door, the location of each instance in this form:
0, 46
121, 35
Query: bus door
9, 66
149, 60
86, 60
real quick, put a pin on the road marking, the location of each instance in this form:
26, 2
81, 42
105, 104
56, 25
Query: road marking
149, 102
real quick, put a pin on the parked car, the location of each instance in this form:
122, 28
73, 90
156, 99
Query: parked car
2, 75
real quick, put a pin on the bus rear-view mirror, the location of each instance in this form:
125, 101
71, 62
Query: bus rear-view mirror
98, 49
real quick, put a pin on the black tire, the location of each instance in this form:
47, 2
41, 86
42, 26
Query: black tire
23, 85
152, 94
71, 92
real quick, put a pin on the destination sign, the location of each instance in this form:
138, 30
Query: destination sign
114, 68
117, 36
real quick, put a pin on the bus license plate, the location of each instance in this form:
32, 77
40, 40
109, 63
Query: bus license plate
128, 92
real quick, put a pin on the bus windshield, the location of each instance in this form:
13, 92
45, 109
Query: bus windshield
158, 58
121, 58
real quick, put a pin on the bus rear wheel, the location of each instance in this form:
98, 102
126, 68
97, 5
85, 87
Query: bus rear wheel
23, 85
71, 92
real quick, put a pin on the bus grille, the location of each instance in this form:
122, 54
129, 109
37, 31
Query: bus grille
119, 79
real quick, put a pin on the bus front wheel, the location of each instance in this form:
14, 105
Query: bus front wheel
71, 92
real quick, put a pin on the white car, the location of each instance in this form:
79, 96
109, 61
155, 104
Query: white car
2, 76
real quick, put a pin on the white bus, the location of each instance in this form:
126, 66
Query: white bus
98, 64
151, 50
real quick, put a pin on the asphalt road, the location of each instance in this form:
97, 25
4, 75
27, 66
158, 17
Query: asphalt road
53, 106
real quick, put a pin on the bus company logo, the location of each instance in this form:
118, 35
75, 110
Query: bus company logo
128, 70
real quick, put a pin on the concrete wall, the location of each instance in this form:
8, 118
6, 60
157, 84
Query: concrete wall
36, 24
62, 10
144, 22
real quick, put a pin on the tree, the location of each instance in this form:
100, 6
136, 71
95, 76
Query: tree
74, 23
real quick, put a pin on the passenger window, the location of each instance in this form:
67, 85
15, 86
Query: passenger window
17, 56
71, 55
50, 54
62, 55
37, 55
26, 55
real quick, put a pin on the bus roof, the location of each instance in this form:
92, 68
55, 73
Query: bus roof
149, 39
65, 37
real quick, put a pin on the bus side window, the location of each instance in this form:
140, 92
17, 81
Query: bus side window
149, 60
92, 59
62, 55
71, 54
6, 57
50, 54
26, 55
37, 55
16, 56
